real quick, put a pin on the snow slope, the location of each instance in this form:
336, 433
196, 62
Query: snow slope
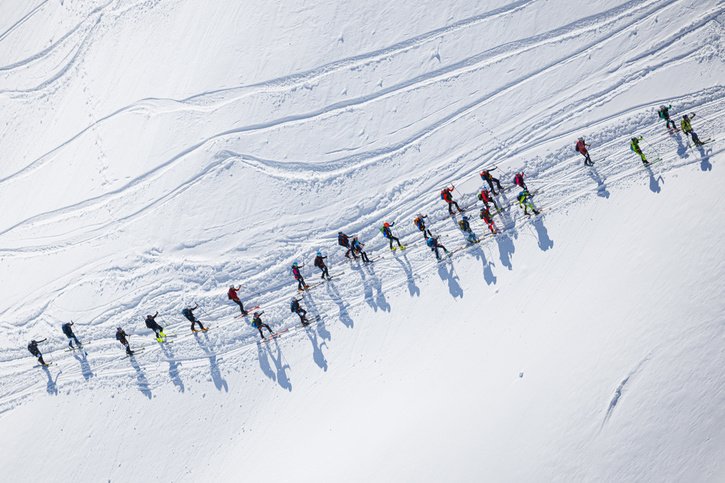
155, 152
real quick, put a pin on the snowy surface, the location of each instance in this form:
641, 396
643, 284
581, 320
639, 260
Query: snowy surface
154, 152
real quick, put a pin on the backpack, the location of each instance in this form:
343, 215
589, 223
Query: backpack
430, 242
343, 240
293, 306
443, 195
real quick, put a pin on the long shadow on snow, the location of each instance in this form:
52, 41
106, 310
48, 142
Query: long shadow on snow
279, 364
342, 307
216, 375
141, 381
173, 366
542, 234
705, 163
601, 187
372, 283
312, 309
681, 148
408, 268
654, 182
506, 248
51, 387
488, 275
449, 275
80, 356
317, 355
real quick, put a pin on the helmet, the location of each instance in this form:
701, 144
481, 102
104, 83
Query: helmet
319, 253
33, 341
118, 328
294, 264
464, 217
256, 314
386, 224
292, 299
634, 140
581, 139
149, 316
231, 287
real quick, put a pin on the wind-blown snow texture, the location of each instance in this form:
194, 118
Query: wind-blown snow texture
154, 152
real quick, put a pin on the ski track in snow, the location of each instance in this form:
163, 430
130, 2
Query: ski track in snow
162, 279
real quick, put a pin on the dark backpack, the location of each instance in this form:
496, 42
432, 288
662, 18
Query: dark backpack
343, 240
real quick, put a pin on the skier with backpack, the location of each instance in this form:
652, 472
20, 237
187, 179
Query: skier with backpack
419, 223
664, 113
524, 198
357, 249
486, 197
320, 263
465, 225
301, 285
234, 297
387, 233
519, 180
296, 308
68, 331
634, 146
33, 349
121, 337
581, 148
258, 324
153, 325
447, 196
488, 219
344, 241
188, 312
686, 125
434, 245
488, 178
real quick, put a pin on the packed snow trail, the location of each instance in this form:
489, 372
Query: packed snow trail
149, 162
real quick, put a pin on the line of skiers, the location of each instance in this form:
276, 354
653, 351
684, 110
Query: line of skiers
355, 248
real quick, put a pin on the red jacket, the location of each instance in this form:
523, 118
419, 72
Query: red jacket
581, 147
446, 194
233, 294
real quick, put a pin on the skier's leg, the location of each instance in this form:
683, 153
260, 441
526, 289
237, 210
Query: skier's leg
498, 183
458, 207
397, 240
435, 249
70, 342
40, 359
268, 328
365, 257
391, 242
260, 332
450, 208
695, 138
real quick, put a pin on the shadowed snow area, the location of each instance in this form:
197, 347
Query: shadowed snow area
152, 153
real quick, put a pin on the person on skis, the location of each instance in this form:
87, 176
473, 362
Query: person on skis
153, 325
465, 225
68, 331
234, 297
486, 197
581, 148
524, 198
188, 312
344, 241
488, 219
447, 196
33, 349
357, 249
488, 178
434, 245
387, 233
634, 146
121, 337
296, 308
519, 180
301, 285
320, 263
664, 113
686, 125
419, 223
258, 324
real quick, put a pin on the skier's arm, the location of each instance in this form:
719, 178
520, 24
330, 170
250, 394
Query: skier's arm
156, 314
42, 341
196, 306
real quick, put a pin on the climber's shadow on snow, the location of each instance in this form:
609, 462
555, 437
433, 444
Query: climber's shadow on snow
141, 381
681, 148
317, 355
85, 367
216, 374
52, 387
488, 274
506, 248
705, 164
413, 289
270, 350
447, 273
654, 181
372, 284
344, 315
173, 366
542, 234
601, 186
315, 314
